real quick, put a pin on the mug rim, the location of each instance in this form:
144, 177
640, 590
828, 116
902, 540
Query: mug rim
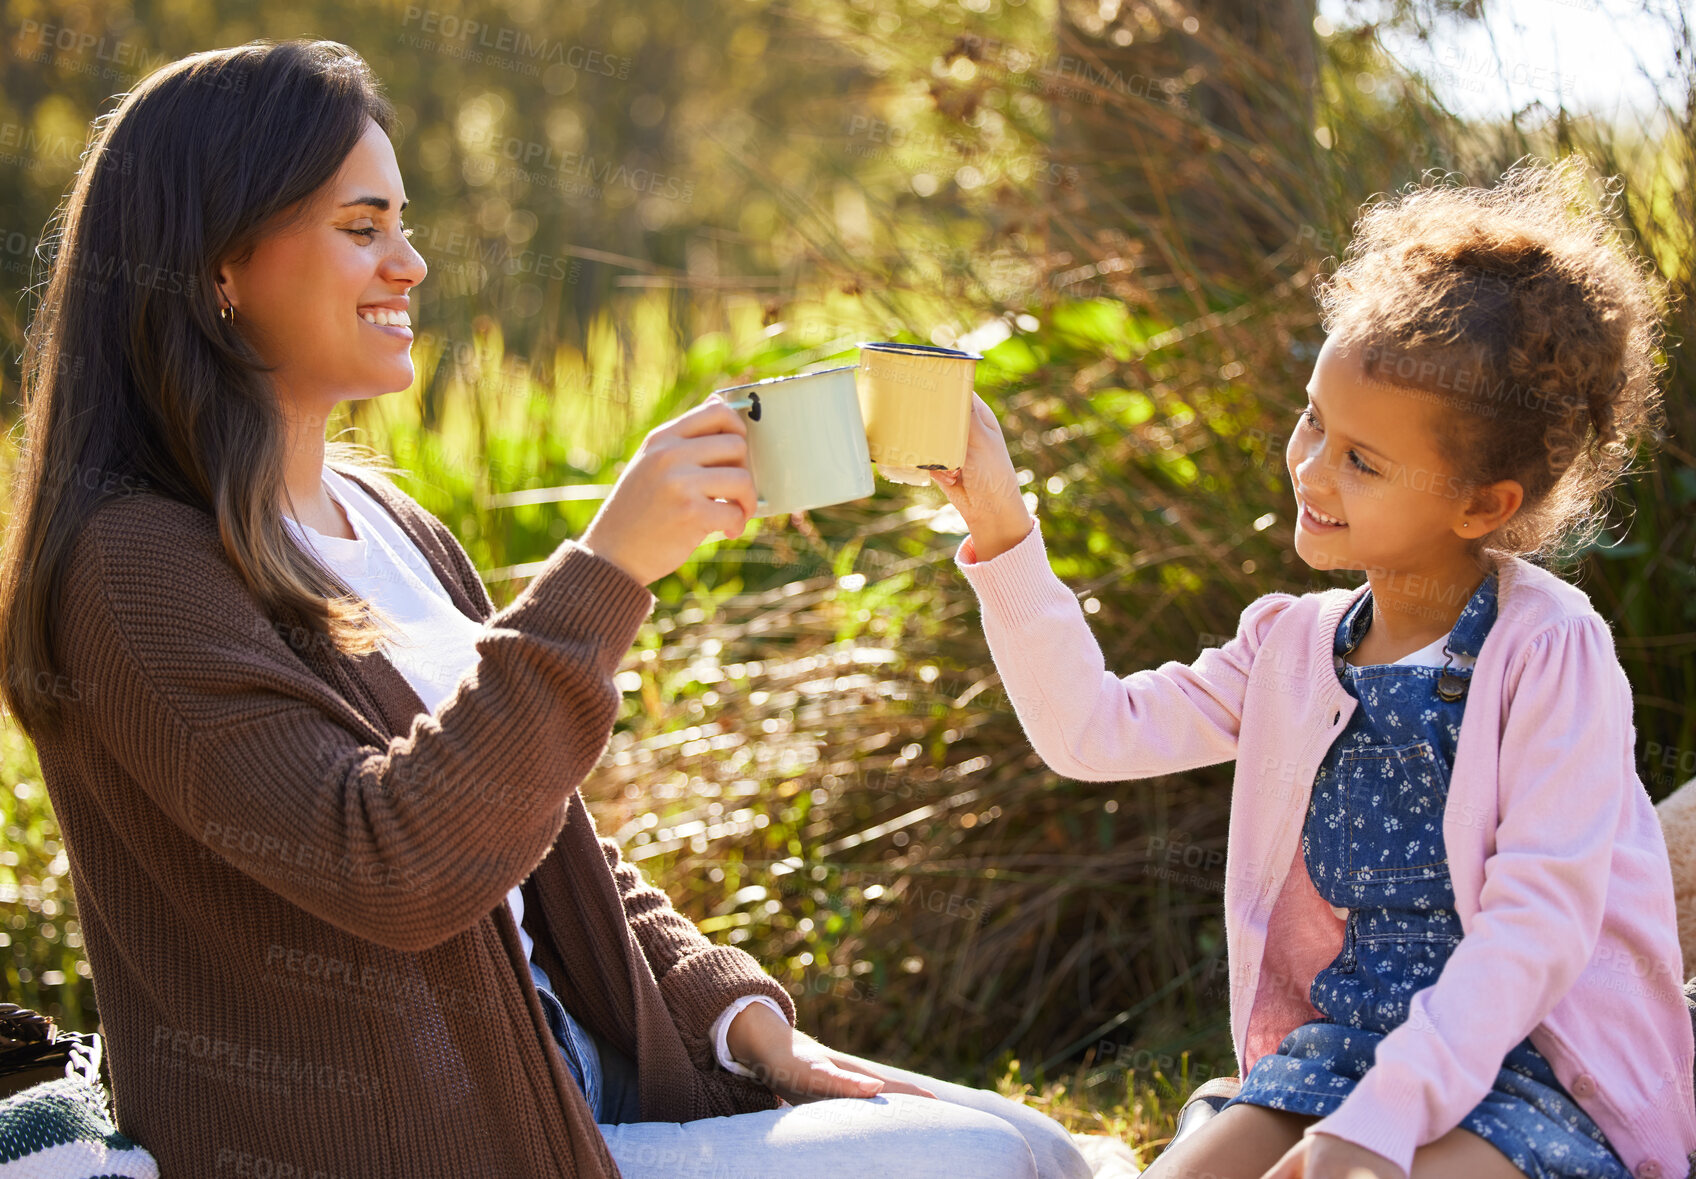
841, 368
917, 349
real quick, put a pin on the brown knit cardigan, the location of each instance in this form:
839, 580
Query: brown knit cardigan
291, 877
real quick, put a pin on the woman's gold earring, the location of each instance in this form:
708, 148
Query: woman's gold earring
227, 313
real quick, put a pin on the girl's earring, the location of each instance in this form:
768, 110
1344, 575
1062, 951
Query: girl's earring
227, 313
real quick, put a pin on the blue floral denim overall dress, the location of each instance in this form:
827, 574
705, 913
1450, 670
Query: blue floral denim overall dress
1373, 845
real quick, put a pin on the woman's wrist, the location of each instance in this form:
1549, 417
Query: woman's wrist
755, 1031
603, 549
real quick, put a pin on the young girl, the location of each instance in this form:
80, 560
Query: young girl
1452, 943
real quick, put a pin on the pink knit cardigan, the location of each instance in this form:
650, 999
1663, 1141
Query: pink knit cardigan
1559, 867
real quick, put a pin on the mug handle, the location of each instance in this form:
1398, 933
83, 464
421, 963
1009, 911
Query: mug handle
750, 402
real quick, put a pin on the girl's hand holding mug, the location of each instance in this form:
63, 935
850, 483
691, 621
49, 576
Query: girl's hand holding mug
689, 479
986, 490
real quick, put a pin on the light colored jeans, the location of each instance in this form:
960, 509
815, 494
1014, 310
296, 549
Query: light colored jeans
962, 1133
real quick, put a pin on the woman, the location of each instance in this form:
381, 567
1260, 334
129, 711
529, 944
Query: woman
335, 928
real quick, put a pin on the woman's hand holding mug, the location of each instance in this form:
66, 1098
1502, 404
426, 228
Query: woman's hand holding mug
986, 490
689, 479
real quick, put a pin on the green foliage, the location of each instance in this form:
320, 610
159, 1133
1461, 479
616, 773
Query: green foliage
41, 962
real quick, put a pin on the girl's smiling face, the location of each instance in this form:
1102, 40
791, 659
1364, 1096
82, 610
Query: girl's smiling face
1364, 454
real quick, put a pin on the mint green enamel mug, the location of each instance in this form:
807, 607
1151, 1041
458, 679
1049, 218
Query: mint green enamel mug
806, 440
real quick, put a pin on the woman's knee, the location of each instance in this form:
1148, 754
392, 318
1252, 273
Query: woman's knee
917, 1137
1051, 1146
1000, 1151
958, 1140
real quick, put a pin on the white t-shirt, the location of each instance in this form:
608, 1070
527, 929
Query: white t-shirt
1430, 655
436, 646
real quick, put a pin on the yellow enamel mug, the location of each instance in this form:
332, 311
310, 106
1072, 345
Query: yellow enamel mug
917, 403
806, 441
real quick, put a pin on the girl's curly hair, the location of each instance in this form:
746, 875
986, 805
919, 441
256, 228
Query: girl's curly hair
1528, 318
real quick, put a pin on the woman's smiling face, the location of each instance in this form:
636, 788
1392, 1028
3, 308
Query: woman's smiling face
306, 296
1363, 453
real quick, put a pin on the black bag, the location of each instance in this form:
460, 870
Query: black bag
32, 1051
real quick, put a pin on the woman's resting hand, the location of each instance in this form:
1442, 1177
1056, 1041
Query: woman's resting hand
798, 1068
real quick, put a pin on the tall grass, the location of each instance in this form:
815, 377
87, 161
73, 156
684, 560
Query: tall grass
853, 798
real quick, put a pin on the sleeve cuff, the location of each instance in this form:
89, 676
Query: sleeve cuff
721, 1032
579, 592
1016, 585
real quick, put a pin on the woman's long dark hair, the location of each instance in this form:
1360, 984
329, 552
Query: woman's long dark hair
131, 381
